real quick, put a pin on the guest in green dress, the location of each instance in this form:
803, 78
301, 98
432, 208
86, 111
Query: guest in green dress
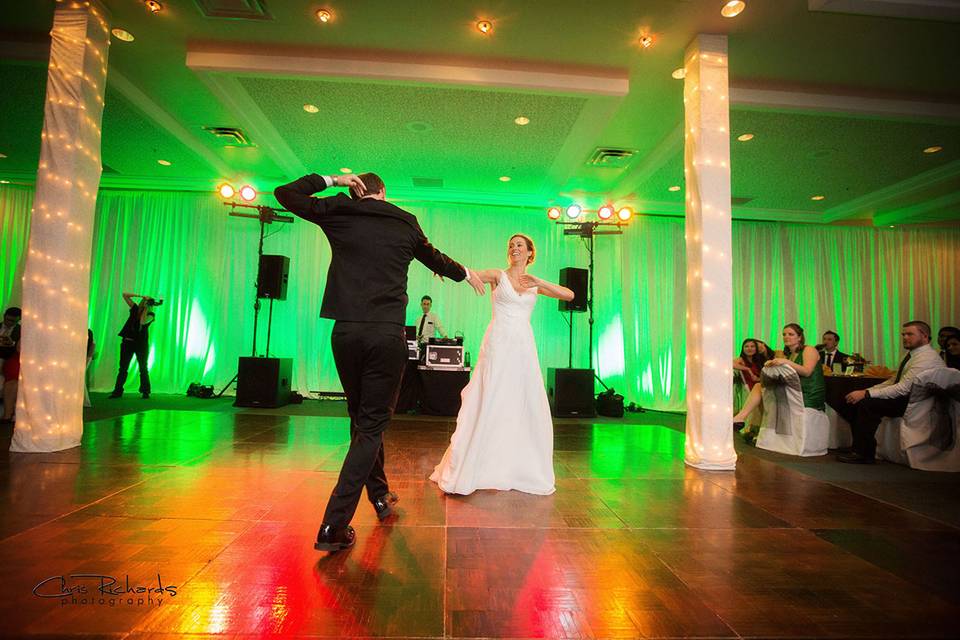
803, 359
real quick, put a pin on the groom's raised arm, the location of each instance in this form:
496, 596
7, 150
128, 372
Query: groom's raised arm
297, 197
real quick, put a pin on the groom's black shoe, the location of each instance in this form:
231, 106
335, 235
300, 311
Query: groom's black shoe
331, 538
384, 504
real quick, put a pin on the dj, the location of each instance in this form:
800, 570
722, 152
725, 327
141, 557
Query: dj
429, 324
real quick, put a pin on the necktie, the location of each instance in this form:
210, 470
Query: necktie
900, 370
420, 330
830, 360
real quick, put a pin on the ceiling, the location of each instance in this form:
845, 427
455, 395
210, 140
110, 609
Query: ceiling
840, 104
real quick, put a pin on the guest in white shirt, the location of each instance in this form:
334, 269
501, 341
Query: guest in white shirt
428, 326
867, 407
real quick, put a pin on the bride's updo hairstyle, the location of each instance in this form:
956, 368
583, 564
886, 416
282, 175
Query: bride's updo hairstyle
529, 241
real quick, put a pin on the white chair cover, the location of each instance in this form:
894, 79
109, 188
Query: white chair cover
789, 427
840, 433
927, 435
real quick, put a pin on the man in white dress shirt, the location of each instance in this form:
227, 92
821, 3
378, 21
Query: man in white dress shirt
889, 398
428, 326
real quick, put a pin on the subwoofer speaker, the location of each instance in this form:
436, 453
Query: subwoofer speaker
263, 382
272, 277
571, 393
576, 280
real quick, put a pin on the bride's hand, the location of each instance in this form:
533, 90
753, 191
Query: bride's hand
528, 281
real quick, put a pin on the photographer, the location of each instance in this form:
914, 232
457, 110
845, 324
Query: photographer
135, 342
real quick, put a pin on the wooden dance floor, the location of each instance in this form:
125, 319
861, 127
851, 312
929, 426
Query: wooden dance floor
220, 509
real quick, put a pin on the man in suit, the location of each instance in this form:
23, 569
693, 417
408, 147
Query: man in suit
429, 323
867, 407
372, 244
829, 353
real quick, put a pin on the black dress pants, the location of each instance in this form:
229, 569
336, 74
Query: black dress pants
128, 349
864, 418
370, 357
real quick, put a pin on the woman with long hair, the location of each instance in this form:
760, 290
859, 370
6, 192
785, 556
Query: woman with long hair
504, 434
751, 360
803, 359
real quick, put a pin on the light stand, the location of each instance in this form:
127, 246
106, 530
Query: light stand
588, 230
266, 215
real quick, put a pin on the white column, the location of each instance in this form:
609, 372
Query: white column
57, 270
709, 443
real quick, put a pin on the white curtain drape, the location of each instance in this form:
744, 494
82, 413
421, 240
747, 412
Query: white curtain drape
860, 281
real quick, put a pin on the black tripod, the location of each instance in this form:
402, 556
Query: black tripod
266, 215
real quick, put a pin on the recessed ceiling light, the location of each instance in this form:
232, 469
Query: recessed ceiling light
346, 170
504, 178
3, 155
153, 6
324, 15
311, 108
521, 120
679, 74
817, 198
745, 137
646, 41
933, 149
165, 163
485, 27
674, 188
4, 182
733, 8
122, 34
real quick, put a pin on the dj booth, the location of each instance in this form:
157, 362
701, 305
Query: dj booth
434, 377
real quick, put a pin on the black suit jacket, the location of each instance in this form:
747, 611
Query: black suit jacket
373, 243
838, 357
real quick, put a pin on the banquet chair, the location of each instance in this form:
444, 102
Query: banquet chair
789, 427
926, 437
840, 435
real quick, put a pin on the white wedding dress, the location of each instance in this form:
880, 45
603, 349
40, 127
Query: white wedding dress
504, 434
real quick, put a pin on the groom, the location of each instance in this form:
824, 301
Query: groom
373, 243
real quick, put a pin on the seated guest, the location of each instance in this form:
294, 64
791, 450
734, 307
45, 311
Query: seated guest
942, 336
803, 359
952, 352
9, 334
751, 361
11, 380
829, 353
86, 371
865, 408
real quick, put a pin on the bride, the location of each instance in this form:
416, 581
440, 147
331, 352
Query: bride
504, 434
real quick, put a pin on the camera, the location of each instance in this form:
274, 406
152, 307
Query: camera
152, 302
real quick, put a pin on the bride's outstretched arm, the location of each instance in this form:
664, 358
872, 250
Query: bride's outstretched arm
490, 276
546, 288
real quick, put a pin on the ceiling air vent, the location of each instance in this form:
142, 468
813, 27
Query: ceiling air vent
738, 202
229, 136
428, 183
234, 9
611, 157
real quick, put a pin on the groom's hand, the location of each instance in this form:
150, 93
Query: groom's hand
355, 184
476, 282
